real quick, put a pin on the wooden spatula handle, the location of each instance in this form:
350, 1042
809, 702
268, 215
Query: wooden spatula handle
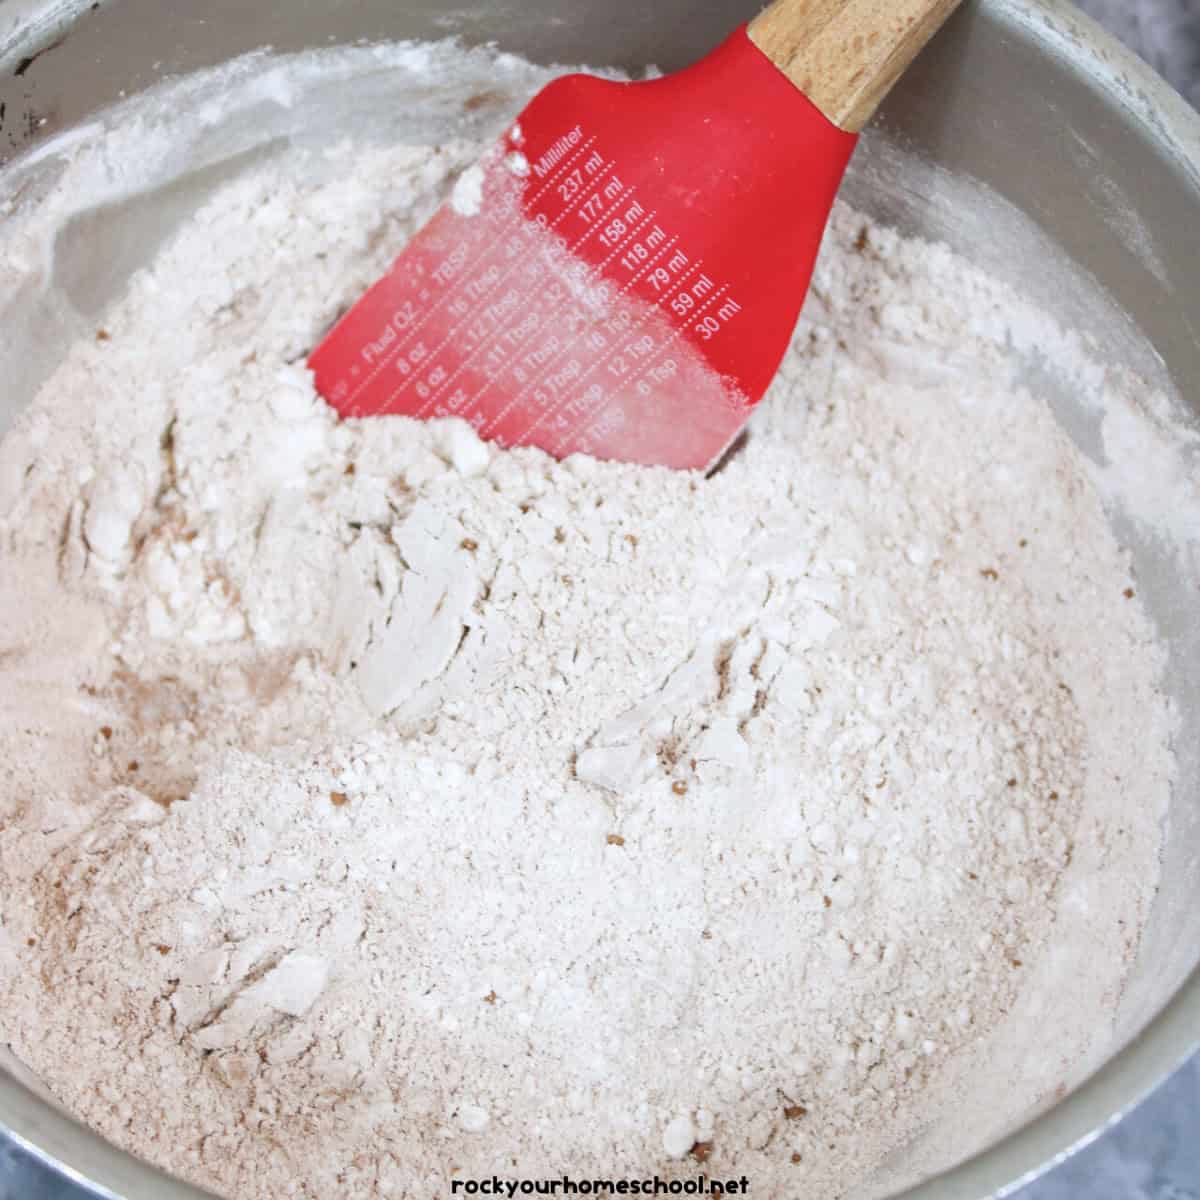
845, 55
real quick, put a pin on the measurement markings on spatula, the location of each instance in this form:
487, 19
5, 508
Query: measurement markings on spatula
593, 174
655, 370
677, 267
499, 225
520, 356
597, 340
561, 415
545, 275
561, 295
651, 256
633, 346
541, 275
405, 323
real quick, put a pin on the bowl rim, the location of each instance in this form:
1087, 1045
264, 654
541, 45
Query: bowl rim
1172, 1036
73, 1150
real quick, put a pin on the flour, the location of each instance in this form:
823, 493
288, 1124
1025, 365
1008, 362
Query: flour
383, 809
467, 193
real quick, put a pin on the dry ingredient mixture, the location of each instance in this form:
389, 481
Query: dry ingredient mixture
380, 808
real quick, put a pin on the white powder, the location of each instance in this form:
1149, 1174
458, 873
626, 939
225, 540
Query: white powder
381, 809
467, 193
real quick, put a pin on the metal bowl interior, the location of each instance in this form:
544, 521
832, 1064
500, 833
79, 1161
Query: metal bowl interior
1025, 139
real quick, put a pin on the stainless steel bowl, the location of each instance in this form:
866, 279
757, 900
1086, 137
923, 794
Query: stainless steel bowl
1025, 138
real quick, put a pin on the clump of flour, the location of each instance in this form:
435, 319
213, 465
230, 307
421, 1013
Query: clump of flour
381, 808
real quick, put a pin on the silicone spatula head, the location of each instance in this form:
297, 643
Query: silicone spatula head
621, 274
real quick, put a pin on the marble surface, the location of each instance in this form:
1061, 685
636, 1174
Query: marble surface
1164, 32
1154, 1154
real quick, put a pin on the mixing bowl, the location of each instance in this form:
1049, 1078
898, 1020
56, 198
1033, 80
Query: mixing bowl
1025, 138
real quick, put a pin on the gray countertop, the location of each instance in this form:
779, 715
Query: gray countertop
1154, 1154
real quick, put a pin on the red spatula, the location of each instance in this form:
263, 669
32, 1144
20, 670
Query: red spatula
621, 274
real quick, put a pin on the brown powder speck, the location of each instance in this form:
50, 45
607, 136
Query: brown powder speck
133, 767
163, 950
470, 545
631, 538
826, 901
679, 787
793, 1112
481, 100
796, 1158
1053, 795
338, 799
31, 942
491, 997
560, 535
102, 335
1129, 593
351, 469
1016, 962
863, 242
106, 732
990, 573
615, 839
701, 1151
1023, 543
